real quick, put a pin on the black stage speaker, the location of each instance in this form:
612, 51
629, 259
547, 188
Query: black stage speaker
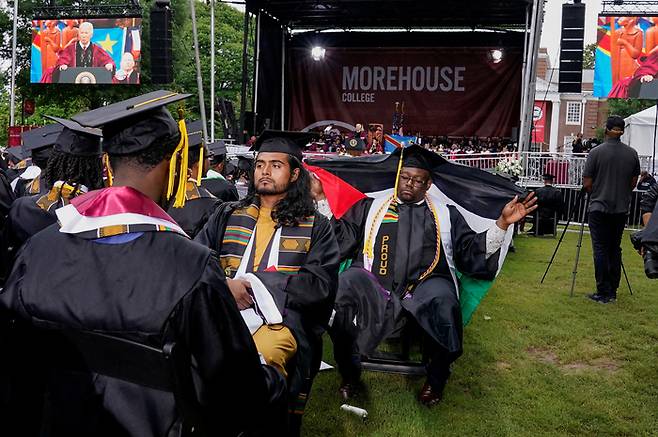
162, 70
572, 45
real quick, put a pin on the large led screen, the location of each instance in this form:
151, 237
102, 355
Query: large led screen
626, 60
86, 51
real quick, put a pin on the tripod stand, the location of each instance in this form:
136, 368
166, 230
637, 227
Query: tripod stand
574, 272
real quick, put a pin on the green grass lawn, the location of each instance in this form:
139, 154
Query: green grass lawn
541, 363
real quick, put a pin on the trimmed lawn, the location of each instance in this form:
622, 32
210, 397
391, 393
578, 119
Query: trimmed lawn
540, 363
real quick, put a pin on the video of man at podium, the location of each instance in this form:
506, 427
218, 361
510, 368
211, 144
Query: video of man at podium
86, 52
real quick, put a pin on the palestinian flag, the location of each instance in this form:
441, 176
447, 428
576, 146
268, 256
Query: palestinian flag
479, 196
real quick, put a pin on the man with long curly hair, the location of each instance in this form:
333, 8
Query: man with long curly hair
281, 259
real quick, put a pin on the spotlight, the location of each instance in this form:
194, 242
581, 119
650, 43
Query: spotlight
496, 55
317, 53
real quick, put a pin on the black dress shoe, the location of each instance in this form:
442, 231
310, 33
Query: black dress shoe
602, 298
429, 396
348, 389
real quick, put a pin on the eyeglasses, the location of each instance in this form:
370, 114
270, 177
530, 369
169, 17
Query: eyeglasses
404, 180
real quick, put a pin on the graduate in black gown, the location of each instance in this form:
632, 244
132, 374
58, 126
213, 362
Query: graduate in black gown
215, 182
199, 203
405, 249
550, 203
282, 259
116, 262
73, 168
38, 143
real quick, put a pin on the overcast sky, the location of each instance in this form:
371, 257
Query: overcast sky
550, 37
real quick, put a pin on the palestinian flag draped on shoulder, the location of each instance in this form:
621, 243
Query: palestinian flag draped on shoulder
479, 196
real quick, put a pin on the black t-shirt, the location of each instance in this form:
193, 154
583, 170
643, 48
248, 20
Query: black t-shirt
612, 167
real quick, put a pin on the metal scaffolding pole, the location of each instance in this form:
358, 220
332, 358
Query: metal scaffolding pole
243, 91
283, 78
256, 75
212, 71
12, 100
199, 80
531, 73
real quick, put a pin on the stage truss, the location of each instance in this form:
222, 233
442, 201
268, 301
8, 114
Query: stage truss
636, 8
132, 9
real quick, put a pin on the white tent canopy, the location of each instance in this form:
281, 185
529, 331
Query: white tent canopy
639, 132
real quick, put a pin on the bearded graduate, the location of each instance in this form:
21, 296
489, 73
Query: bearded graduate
405, 248
117, 263
281, 259
199, 203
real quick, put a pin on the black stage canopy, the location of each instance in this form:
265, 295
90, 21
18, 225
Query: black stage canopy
345, 14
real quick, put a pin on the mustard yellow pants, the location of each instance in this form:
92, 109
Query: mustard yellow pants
277, 345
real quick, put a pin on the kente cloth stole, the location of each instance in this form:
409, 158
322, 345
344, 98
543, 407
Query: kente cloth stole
192, 190
384, 263
60, 192
292, 247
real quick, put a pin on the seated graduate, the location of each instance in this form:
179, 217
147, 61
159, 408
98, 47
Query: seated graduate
73, 168
215, 182
37, 143
117, 263
550, 203
199, 202
405, 249
281, 259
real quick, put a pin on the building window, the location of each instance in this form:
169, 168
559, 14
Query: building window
573, 112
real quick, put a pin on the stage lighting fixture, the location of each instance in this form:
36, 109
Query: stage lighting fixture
496, 55
317, 53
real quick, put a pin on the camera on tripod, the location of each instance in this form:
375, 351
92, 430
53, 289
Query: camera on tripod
650, 256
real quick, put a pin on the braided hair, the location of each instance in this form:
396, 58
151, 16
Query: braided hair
72, 169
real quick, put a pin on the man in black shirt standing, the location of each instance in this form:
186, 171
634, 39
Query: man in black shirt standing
610, 175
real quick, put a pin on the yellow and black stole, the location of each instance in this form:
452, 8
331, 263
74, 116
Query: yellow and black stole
384, 261
294, 243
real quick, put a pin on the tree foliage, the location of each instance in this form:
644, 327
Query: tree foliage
66, 100
626, 107
588, 56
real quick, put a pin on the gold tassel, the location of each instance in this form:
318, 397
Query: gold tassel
397, 176
200, 174
108, 169
182, 148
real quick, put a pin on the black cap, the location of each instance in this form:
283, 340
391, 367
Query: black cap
416, 156
217, 148
135, 124
77, 140
15, 154
548, 177
289, 142
615, 121
40, 138
194, 133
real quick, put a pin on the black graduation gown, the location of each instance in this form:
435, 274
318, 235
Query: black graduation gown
157, 288
26, 218
433, 302
7, 197
196, 211
304, 299
550, 203
221, 189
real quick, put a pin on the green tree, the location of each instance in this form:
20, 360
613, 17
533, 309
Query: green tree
626, 107
588, 56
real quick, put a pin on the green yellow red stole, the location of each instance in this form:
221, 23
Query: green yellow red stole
293, 245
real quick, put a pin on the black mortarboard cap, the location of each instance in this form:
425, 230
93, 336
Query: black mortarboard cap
289, 142
15, 154
41, 137
194, 133
217, 148
76, 139
412, 157
134, 124
548, 177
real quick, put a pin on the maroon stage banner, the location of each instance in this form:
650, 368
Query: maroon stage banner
446, 91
